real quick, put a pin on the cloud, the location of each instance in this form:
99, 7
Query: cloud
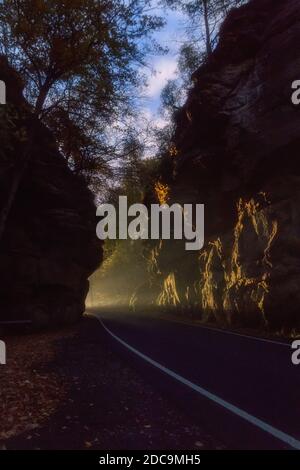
164, 69
147, 115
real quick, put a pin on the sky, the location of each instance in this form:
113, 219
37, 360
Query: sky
163, 67
160, 68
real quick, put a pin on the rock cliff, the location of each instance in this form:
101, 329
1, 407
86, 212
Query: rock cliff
49, 247
236, 149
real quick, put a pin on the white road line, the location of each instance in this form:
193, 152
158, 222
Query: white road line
280, 435
227, 332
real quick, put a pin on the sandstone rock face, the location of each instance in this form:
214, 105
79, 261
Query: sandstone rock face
49, 248
236, 149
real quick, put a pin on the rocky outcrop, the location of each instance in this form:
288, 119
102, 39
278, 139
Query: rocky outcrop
236, 149
49, 247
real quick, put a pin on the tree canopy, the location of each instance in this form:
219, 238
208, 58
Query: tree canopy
80, 63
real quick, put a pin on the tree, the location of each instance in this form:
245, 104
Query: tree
174, 93
79, 60
204, 18
76, 49
169, 96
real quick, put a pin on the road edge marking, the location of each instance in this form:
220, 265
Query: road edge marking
226, 332
280, 435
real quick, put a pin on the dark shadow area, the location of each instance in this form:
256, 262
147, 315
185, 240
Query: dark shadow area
106, 403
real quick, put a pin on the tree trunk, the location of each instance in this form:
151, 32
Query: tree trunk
207, 28
42, 98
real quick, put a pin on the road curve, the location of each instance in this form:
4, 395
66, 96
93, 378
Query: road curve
246, 388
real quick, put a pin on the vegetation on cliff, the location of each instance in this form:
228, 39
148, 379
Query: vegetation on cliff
227, 149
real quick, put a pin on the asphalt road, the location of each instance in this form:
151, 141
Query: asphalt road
245, 388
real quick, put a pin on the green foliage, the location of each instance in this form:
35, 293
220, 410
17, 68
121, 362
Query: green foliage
79, 60
190, 57
170, 98
125, 263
